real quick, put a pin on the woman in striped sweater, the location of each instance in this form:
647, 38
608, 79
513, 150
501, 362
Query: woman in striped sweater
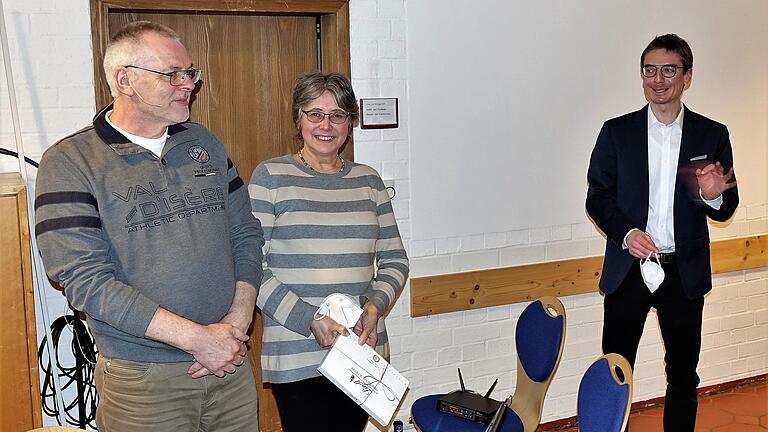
329, 228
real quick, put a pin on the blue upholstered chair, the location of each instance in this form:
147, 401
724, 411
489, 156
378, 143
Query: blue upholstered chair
539, 338
605, 396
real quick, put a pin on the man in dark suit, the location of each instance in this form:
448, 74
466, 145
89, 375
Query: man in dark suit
655, 175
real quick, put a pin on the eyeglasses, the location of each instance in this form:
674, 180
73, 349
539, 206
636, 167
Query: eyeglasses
178, 77
316, 116
667, 70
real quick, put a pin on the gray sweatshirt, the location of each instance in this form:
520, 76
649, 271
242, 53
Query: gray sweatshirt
125, 232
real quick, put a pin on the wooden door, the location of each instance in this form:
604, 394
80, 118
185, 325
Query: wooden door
251, 52
249, 65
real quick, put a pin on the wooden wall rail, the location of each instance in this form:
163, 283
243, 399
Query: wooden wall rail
484, 288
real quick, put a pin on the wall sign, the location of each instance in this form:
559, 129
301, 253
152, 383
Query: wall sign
378, 113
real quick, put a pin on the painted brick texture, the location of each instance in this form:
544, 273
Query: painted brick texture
51, 57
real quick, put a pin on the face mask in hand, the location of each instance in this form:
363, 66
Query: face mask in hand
653, 274
342, 308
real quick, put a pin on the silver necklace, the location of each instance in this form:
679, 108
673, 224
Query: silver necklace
301, 158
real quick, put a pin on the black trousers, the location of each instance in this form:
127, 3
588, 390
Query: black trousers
317, 405
624, 314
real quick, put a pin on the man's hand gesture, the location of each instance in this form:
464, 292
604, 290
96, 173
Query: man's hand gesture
713, 182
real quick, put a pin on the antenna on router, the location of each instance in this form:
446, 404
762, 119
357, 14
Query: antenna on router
488, 393
469, 404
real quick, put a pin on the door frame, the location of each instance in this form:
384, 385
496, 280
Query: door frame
334, 19
335, 57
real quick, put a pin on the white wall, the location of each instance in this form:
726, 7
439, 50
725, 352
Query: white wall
429, 349
51, 56
507, 98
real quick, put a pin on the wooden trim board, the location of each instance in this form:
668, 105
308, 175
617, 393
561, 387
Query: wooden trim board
20, 407
484, 288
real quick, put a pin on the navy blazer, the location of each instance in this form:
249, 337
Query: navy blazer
617, 199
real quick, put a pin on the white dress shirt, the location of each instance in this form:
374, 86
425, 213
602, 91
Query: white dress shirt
663, 153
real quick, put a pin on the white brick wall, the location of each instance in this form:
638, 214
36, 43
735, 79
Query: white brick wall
736, 320
51, 57
50, 53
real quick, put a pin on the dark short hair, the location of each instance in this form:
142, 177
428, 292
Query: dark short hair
674, 43
311, 85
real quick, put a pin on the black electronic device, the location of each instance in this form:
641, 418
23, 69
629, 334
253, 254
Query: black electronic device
469, 405
397, 426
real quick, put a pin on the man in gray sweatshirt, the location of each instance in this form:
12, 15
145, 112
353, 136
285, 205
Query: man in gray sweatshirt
146, 225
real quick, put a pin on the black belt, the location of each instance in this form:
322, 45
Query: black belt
666, 257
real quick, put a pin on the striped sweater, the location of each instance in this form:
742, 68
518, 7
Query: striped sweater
325, 233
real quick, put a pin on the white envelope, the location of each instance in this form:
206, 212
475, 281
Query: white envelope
364, 376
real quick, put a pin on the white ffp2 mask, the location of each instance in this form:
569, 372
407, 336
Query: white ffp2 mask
653, 274
342, 308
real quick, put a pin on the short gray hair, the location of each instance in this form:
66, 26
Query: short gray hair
311, 85
125, 48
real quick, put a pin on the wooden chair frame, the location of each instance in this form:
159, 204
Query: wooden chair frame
528, 399
617, 361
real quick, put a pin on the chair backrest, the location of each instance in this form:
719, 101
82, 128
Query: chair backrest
604, 396
539, 338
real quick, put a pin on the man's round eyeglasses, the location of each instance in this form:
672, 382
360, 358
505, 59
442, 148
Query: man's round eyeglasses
316, 116
178, 77
667, 70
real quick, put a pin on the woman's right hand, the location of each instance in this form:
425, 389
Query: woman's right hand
326, 330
